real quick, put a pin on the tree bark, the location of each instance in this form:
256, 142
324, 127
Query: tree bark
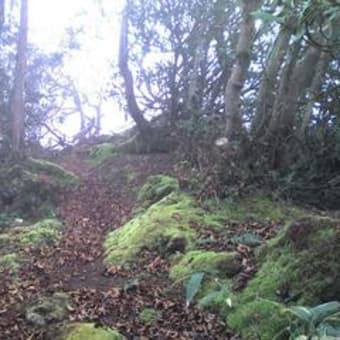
314, 90
232, 96
133, 108
17, 101
268, 86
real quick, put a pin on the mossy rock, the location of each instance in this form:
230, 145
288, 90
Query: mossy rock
30, 188
47, 310
9, 262
156, 188
170, 219
220, 264
89, 331
149, 316
259, 319
300, 264
56, 172
100, 153
47, 230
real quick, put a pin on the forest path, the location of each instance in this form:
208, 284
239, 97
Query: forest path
103, 201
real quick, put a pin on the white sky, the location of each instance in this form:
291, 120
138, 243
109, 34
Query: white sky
48, 20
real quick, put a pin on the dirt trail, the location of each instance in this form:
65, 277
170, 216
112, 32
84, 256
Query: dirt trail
103, 201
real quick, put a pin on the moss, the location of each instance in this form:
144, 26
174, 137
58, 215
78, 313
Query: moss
149, 315
58, 174
155, 189
48, 309
257, 208
301, 264
101, 152
222, 264
9, 262
216, 296
47, 230
259, 319
158, 227
4, 239
89, 331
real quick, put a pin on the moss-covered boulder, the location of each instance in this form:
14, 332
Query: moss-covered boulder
47, 230
29, 189
165, 224
300, 266
220, 264
57, 173
47, 310
155, 189
89, 331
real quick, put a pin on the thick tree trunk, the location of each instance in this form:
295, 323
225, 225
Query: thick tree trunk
285, 82
232, 96
268, 87
133, 108
314, 90
17, 102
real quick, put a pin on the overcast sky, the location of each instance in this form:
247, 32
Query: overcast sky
48, 20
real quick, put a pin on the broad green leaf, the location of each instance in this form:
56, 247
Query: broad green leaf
324, 310
267, 17
193, 286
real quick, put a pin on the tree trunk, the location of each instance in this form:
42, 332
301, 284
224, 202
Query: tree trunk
17, 102
133, 108
314, 90
268, 86
232, 96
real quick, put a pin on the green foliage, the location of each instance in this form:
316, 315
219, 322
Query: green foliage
90, 331
249, 239
155, 189
193, 286
320, 321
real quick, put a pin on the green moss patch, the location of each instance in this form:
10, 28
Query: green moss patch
101, 152
149, 315
300, 266
47, 230
57, 173
259, 319
256, 208
89, 331
155, 189
9, 262
48, 309
167, 224
222, 264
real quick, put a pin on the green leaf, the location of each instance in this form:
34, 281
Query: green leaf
325, 310
302, 313
192, 287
